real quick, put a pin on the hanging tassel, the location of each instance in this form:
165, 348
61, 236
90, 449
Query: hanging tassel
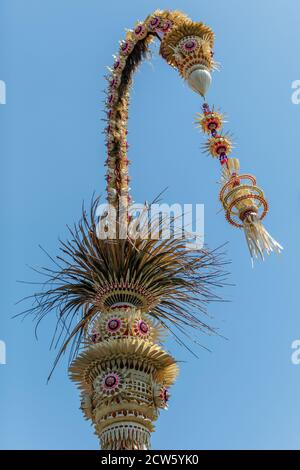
258, 238
244, 203
245, 206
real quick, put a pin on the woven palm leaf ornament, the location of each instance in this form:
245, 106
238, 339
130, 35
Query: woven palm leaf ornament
243, 201
115, 298
188, 47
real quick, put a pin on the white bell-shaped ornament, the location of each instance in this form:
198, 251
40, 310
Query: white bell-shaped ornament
199, 79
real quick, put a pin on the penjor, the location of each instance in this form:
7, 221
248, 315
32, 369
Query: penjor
115, 297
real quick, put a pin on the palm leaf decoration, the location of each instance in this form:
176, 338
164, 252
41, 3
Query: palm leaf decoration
163, 277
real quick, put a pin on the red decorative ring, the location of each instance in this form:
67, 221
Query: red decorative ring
230, 182
242, 198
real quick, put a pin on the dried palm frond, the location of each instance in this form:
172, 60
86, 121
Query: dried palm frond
164, 277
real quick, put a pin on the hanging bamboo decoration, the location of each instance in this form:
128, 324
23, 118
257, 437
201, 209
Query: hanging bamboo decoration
115, 298
244, 203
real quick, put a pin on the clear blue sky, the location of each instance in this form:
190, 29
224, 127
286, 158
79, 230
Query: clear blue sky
245, 394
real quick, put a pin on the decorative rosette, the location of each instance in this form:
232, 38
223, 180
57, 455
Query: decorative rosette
161, 396
126, 47
165, 26
92, 334
114, 325
109, 383
218, 146
188, 39
111, 99
95, 336
210, 122
140, 31
119, 63
154, 23
188, 45
142, 329
114, 82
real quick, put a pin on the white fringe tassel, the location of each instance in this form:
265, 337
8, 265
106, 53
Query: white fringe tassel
258, 239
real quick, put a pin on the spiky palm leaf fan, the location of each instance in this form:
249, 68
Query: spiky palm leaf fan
163, 277
114, 295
